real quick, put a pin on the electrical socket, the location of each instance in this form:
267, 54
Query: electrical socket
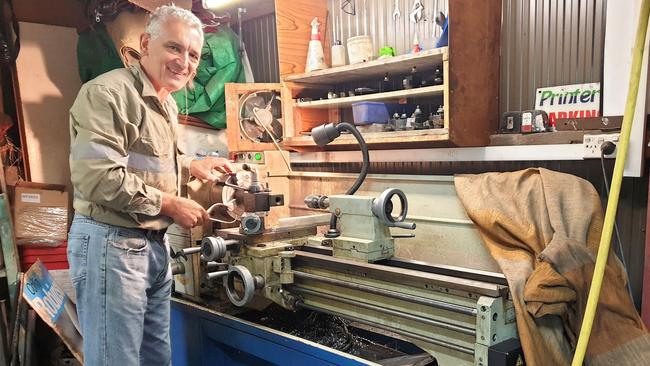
591, 145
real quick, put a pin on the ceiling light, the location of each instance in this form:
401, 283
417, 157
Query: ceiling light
215, 4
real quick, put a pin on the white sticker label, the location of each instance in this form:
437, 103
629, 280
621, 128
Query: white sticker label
30, 197
526, 122
539, 123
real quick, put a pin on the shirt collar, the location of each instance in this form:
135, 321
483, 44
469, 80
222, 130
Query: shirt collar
147, 87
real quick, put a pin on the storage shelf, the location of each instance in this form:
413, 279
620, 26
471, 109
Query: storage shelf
556, 152
373, 138
373, 69
426, 91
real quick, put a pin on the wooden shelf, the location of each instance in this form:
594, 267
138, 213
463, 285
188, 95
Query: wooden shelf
373, 138
426, 91
368, 70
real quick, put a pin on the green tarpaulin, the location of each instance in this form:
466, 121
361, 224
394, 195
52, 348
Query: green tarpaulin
220, 64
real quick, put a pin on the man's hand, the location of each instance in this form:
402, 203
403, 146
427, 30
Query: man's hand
206, 168
183, 211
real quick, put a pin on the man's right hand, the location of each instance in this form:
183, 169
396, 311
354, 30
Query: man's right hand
183, 211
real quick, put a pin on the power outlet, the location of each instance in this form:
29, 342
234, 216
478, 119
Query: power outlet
591, 145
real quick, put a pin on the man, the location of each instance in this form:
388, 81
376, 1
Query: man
126, 173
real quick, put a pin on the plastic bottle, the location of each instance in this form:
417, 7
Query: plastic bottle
338, 54
315, 55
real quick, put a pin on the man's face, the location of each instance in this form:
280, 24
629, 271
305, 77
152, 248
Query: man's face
170, 60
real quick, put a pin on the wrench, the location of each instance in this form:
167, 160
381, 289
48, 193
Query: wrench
416, 11
396, 12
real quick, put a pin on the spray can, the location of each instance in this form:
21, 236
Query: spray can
315, 55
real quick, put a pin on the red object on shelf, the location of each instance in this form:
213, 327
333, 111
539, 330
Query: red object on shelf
52, 257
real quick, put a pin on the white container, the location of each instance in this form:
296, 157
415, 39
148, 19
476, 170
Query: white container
338, 55
360, 49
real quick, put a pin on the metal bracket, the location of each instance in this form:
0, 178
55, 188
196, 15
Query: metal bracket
495, 323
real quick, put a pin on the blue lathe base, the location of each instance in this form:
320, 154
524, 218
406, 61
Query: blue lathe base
201, 336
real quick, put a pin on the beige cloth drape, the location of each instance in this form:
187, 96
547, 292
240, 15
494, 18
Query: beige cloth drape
543, 229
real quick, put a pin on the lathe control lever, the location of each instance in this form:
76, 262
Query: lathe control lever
382, 208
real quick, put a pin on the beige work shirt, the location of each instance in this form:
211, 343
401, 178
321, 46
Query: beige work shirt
123, 153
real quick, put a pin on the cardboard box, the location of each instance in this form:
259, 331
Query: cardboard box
40, 213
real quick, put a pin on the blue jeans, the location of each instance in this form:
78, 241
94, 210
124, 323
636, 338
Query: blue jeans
123, 282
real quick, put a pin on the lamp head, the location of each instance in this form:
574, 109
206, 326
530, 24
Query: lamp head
324, 134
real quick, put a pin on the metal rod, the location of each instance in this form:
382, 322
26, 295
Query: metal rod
389, 329
211, 266
396, 276
191, 250
452, 271
402, 236
396, 295
381, 309
218, 274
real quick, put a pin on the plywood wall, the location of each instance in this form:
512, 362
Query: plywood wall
293, 26
48, 83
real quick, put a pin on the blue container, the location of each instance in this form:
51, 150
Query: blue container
369, 112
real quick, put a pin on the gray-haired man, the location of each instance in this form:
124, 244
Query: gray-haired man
126, 172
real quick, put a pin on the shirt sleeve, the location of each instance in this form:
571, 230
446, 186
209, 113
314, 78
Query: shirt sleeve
101, 128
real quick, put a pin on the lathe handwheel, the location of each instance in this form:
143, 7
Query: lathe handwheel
248, 283
382, 208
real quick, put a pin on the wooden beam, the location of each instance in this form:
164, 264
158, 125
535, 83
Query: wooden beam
474, 36
66, 13
544, 138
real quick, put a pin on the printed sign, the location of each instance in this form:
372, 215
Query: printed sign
569, 101
53, 306
30, 197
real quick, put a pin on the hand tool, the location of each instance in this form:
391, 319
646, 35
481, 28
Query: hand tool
416, 11
396, 12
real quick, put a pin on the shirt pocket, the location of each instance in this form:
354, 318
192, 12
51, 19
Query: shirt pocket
158, 146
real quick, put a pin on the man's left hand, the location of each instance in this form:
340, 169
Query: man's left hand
209, 168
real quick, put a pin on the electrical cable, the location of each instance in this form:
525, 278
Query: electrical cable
344, 126
621, 255
273, 138
364, 153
